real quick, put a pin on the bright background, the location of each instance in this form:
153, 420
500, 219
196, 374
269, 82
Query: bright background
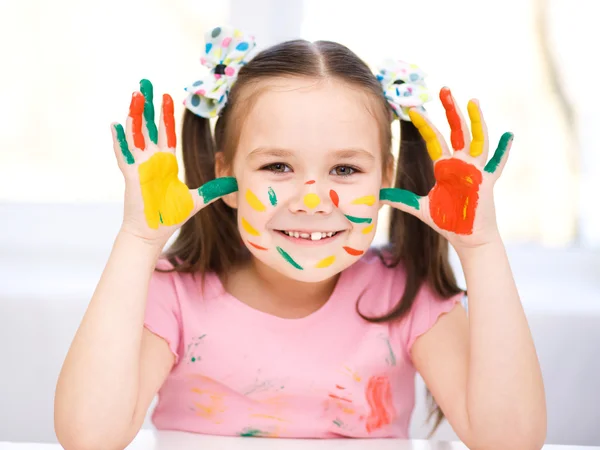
68, 70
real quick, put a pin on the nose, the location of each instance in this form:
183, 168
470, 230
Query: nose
311, 200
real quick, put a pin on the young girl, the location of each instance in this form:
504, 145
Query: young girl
269, 315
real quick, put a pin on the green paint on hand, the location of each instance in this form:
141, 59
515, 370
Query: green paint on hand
272, 197
288, 258
251, 432
148, 93
400, 196
358, 219
503, 145
217, 188
123, 144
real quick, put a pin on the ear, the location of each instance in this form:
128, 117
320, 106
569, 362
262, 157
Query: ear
223, 170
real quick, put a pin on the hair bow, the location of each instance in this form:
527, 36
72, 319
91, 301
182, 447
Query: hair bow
403, 87
225, 52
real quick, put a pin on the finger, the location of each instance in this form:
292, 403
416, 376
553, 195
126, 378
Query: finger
401, 199
436, 145
148, 92
120, 144
214, 190
166, 127
480, 143
498, 161
459, 132
135, 135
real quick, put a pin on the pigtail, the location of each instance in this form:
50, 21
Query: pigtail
209, 241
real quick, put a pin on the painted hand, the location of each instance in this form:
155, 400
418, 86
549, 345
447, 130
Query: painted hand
156, 201
460, 206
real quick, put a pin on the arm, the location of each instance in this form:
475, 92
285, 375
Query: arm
492, 390
101, 394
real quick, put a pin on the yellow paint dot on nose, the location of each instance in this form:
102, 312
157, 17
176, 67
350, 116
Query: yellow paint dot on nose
325, 262
311, 200
366, 200
254, 202
249, 228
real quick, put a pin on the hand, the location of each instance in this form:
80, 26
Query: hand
157, 203
460, 206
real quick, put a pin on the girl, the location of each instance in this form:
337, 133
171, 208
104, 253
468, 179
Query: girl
269, 315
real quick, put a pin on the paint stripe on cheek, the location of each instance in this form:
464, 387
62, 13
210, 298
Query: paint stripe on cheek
358, 219
254, 202
249, 228
272, 197
288, 258
366, 200
353, 251
258, 247
325, 262
368, 229
334, 197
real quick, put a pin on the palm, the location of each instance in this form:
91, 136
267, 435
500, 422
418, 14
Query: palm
460, 206
157, 202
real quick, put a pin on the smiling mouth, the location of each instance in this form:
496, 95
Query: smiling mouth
310, 236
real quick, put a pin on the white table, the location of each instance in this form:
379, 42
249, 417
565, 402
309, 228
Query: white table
170, 440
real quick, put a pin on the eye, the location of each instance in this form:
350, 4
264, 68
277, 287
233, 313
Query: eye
343, 171
277, 168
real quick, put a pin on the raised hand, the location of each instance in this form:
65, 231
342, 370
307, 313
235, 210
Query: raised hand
460, 206
156, 201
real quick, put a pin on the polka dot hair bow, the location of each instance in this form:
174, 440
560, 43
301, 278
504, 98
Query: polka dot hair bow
403, 86
225, 52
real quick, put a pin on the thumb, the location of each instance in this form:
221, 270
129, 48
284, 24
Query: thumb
401, 199
213, 190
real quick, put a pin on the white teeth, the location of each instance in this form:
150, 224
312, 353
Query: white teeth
296, 234
304, 235
330, 234
316, 236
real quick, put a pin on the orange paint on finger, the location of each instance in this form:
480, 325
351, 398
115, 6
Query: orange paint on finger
379, 396
169, 120
136, 110
453, 200
456, 132
353, 251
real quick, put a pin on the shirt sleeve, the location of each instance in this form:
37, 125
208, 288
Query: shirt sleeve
425, 311
163, 312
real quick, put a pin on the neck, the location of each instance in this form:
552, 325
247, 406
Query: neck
267, 290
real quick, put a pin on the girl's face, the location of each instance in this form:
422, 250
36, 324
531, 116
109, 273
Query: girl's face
309, 170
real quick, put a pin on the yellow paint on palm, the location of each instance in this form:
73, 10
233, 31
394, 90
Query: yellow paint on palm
325, 262
476, 148
167, 200
311, 200
465, 208
249, 228
434, 148
368, 229
366, 200
254, 202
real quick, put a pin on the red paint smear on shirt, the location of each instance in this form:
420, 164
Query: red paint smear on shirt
169, 119
456, 189
257, 246
340, 398
339, 387
136, 110
310, 182
334, 197
456, 134
379, 396
353, 251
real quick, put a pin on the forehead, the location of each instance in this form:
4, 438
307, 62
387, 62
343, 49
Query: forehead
303, 114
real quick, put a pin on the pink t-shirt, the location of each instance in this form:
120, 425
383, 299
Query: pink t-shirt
240, 371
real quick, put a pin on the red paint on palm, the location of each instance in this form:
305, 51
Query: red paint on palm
456, 134
453, 199
169, 119
136, 110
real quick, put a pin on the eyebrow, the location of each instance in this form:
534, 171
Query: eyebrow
347, 153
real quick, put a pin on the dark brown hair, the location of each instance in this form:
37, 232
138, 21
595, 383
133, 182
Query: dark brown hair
210, 241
